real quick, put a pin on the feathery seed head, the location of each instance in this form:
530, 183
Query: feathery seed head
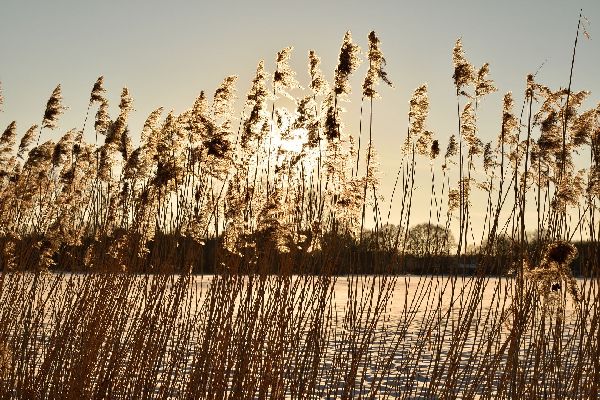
126, 103
569, 190
555, 268
98, 91
530, 87
306, 112
256, 99
283, 79
258, 92
577, 98
125, 146
105, 164
150, 128
582, 128
469, 128
224, 97
376, 64
54, 109
435, 150
550, 124
200, 119
451, 150
118, 128
307, 118
331, 128
453, 200
200, 107
7, 140
593, 188
423, 144
560, 252
39, 156
16, 170
348, 62
132, 165
463, 70
26, 141
488, 157
508, 133
418, 111
318, 84
507, 103
63, 148
102, 122
217, 146
484, 86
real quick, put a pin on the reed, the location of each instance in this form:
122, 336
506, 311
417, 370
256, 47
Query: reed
215, 260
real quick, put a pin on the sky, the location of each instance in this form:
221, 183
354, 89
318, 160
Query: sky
166, 52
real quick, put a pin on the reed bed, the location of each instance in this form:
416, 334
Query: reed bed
228, 255
168, 336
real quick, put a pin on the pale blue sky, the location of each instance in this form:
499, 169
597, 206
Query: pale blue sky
166, 52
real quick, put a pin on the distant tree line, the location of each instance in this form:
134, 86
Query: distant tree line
422, 249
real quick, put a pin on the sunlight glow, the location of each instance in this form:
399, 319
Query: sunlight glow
295, 141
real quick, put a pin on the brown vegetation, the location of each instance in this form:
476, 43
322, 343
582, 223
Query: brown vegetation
272, 193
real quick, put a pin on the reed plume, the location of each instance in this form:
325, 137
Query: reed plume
150, 129
224, 97
54, 109
463, 70
489, 161
554, 270
102, 122
417, 115
168, 153
483, 85
284, 77
118, 128
451, 151
7, 142
318, 83
376, 68
256, 99
510, 123
569, 190
453, 200
198, 124
593, 186
469, 130
434, 151
348, 62
98, 92
63, 148
330, 125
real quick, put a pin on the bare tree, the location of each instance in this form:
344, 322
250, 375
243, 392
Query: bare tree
429, 239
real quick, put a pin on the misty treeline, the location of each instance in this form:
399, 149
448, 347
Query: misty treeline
282, 185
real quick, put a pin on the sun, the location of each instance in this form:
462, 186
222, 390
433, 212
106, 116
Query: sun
290, 145
294, 141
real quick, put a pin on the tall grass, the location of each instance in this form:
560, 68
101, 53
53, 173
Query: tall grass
103, 248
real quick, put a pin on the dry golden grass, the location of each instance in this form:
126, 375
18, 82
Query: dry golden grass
103, 247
